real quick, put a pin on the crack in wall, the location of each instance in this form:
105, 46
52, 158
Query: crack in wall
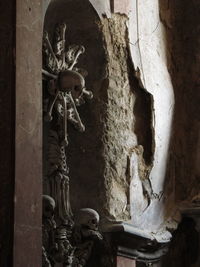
143, 125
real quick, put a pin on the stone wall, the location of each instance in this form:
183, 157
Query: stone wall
118, 129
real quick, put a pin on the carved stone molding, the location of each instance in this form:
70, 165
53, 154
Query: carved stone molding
133, 243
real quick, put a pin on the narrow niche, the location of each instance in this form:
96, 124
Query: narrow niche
73, 71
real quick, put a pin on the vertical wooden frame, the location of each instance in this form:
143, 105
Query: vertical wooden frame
28, 139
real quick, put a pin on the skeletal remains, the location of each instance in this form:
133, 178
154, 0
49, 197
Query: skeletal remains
66, 83
65, 240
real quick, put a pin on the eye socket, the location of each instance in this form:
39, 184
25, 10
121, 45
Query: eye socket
77, 89
49, 209
93, 221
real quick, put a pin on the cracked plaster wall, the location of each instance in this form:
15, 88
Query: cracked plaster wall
149, 52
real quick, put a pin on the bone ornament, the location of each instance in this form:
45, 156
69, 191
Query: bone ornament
71, 81
48, 206
59, 47
68, 81
64, 241
88, 218
58, 59
87, 224
70, 86
73, 54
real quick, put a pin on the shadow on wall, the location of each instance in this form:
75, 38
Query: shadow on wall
184, 248
84, 150
181, 21
182, 24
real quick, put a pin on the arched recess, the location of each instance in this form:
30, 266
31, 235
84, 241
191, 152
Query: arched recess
73, 51
84, 149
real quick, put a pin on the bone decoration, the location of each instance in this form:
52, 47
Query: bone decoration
67, 240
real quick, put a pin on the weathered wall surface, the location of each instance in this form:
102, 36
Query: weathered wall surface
118, 131
149, 54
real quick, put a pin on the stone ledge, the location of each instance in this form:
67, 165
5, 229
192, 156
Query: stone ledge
134, 243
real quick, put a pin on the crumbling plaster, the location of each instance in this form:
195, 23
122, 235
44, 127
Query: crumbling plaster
148, 47
149, 54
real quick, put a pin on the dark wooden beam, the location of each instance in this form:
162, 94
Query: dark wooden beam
28, 138
7, 129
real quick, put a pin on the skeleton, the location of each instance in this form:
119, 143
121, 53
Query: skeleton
58, 59
63, 241
66, 87
86, 224
85, 234
58, 177
48, 207
45, 261
48, 225
68, 84
63, 251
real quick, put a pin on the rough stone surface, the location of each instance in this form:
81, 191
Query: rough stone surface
137, 118
118, 132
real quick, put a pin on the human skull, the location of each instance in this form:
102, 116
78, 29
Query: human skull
88, 218
48, 206
71, 81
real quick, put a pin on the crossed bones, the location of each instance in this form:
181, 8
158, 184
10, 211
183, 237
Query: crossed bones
69, 84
